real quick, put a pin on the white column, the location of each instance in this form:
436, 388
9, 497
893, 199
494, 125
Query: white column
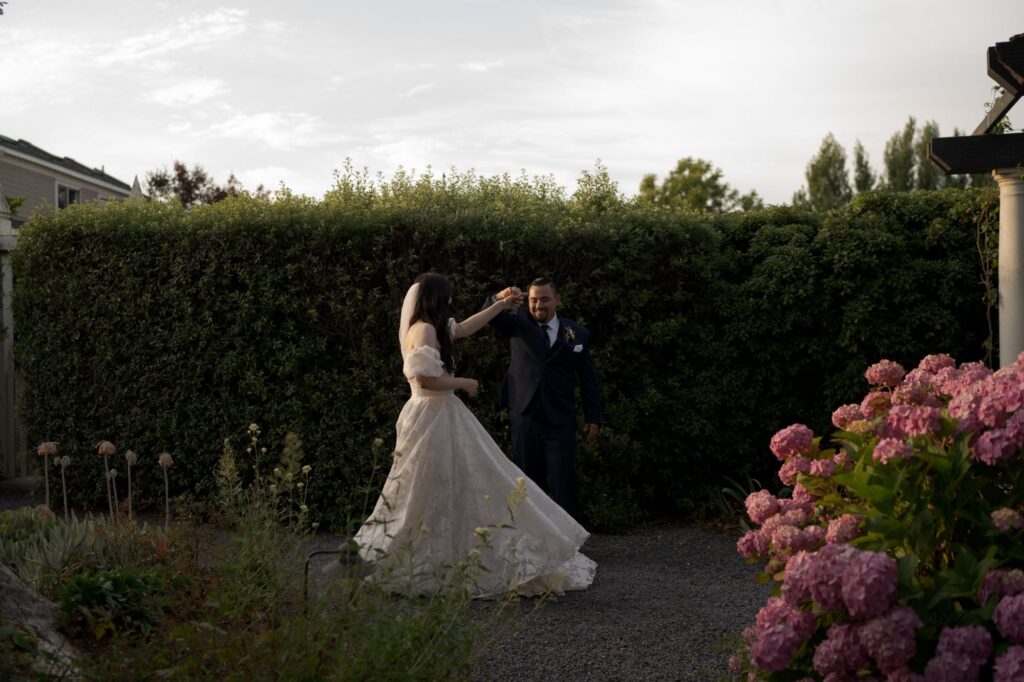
11, 460
1011, 264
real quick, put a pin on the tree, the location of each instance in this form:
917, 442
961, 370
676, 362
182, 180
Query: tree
828, 183
864, 178
194, 187
900, 159
698, 185
926, 172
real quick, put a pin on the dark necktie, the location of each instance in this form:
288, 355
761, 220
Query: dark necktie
547, 339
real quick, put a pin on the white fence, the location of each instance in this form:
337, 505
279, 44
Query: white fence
14, 459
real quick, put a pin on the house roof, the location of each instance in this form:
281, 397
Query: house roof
25, 148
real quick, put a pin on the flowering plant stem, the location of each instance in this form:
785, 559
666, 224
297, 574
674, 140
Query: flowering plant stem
106, 477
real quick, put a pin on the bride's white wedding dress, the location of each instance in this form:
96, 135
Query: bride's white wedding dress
453, 495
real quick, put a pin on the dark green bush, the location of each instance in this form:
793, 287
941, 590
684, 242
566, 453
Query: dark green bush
111, 602
168, 329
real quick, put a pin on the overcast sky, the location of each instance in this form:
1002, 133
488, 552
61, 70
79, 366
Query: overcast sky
285, 91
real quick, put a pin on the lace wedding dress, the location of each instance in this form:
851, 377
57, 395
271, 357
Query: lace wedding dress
453, 498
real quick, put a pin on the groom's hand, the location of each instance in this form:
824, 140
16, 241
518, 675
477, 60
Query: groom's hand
512, 296
510, 291
591, 431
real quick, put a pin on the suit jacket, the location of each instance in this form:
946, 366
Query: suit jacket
548, 375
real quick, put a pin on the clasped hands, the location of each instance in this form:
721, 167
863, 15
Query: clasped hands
512, 296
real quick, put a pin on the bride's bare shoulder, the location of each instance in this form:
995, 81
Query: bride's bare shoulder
421, 334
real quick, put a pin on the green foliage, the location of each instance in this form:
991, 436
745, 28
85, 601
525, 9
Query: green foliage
53, 552
828, 182
18, 525
14, 203
864, 178
696, 184
110, 602
163, 329
899, 159
353, 634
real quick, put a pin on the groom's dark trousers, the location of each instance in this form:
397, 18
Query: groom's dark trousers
539, 393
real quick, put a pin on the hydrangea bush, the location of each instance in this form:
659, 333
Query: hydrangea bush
898, 554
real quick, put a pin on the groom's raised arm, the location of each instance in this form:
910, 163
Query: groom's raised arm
504, 323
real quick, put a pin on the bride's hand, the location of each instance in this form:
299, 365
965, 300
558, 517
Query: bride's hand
512, 297
470, 386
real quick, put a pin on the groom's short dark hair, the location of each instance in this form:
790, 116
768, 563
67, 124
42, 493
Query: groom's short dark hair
545, 282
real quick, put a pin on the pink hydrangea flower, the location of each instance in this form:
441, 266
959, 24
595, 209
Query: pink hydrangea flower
761, 506
753, 545
1014, 428
945, 380
796, 585
884, 373
1001, 582
889, 449
904, 675
780, 625
874, 404
793, 466
889, 639
948, 668
912, 420
842, 460
826, 575
994, 447
1006, 519
935, 363
916, 390
843, 529
795, 439
774, 647
793, 517
971, 642
786, 538
1009, 618
823, 468
841, 651
802, 495
869, 583
811, 537
1009, 666
845, 414
795, 505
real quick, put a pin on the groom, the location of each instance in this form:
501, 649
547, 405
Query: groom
549, 354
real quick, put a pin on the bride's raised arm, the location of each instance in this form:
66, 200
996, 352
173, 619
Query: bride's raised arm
474, 323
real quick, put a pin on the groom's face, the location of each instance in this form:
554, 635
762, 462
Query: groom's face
543, 302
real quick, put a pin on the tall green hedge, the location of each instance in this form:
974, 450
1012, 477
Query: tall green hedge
167, 329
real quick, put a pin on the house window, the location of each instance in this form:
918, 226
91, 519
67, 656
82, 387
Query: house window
67, 196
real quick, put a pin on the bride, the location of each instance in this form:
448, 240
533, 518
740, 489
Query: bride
452, 497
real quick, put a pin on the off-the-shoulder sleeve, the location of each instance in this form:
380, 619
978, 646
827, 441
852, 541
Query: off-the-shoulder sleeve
423, 361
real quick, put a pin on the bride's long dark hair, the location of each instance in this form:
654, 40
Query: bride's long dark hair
434, 306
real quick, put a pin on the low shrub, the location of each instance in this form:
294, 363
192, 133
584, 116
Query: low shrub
108, 602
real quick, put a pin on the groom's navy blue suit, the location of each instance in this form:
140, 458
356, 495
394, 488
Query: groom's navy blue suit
539, 393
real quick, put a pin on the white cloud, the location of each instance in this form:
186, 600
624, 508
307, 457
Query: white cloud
418, 89
277, 130
191, 32
481, 67
188, 93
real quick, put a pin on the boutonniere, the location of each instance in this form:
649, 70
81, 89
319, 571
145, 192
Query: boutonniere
570, 335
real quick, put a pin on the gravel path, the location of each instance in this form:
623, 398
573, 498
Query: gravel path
669, 603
